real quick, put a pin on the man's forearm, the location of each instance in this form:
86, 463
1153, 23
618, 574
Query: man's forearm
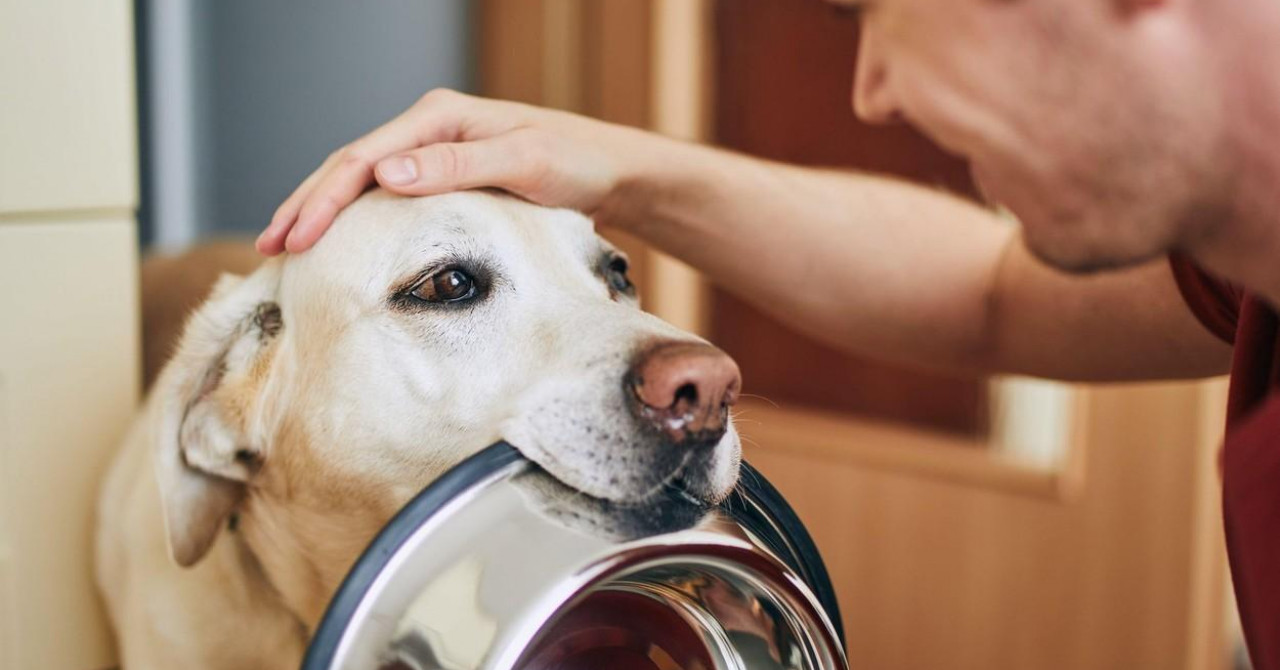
867, 263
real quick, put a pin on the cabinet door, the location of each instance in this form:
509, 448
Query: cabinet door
68, 314
68, 386
67, 122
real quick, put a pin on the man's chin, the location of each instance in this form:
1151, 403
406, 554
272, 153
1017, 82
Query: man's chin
983, 182
1082, 258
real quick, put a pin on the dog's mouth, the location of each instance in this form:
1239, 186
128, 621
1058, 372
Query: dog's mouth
675, 505
623, 463
678, 488
686, 482
683, 486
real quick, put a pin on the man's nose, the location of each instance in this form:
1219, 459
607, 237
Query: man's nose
873, 100
684, 390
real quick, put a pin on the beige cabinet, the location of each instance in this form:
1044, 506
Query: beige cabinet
68, 130
68, 313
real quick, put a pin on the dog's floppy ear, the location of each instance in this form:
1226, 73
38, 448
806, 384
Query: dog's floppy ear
205, 453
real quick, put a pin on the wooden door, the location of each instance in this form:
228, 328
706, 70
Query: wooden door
944, 553
782, 79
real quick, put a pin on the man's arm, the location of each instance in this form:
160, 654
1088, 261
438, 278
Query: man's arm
869, 264
908, 274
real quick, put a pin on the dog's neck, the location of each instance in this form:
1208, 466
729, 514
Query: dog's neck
249, 567
304, 524
302, 552
240, 618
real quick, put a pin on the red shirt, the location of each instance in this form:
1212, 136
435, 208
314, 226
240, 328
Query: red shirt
1251, 452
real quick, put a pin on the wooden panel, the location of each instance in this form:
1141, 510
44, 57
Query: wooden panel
610, 60
616, 86
784, 77
68, 387
586, 57
67, 123
617, 61
509, 49
905, 450
679, 106
940, 572
784, 73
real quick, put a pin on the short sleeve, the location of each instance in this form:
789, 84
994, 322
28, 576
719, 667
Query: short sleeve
1215, 302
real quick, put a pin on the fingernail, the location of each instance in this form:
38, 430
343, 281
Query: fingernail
398, 171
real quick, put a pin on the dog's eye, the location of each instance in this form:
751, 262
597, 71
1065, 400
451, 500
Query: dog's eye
449, 285
616, 274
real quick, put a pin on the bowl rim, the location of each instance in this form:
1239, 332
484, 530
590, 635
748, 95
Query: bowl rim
755, 504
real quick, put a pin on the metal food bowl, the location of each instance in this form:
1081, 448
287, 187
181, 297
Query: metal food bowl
498, 566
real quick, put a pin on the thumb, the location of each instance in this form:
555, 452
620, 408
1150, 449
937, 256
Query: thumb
455, 166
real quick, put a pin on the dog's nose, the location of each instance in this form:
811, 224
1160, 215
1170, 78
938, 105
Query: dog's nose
684, 389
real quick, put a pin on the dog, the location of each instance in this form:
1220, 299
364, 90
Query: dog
310, 400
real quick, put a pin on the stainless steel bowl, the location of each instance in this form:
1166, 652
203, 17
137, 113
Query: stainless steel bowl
496, 565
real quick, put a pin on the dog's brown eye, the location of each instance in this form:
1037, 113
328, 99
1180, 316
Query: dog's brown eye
447, 286
616, 274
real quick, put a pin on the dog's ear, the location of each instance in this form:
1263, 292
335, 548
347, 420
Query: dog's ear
204, 451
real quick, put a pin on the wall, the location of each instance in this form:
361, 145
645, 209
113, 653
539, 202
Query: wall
244, 98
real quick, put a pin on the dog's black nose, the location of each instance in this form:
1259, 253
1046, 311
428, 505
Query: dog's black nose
684, 389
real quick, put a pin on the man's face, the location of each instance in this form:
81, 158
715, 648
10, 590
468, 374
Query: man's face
1092, 120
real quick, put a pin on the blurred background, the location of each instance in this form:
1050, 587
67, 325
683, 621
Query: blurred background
967, 523
239, 100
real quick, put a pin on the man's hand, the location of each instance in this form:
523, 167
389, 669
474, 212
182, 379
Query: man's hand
449, 141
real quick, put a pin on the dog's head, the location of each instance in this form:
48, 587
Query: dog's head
314, 397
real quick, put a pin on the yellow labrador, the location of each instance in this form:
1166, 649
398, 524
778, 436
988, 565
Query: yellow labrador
310, 400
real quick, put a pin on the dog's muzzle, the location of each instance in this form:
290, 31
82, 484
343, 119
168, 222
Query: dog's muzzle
497, 565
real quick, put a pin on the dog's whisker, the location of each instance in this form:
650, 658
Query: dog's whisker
759, 397
754, 477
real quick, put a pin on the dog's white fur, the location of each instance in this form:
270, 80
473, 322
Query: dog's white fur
306, 403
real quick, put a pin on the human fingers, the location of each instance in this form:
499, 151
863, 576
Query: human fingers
271, 241
537, 165
310, 210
